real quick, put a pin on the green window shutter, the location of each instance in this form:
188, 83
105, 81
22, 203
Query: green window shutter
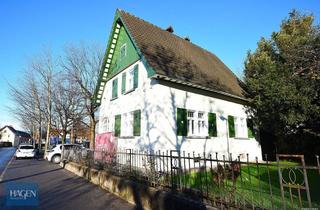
182, 127
123, 84
117, 125
212, 122
135, 76
115, 88
137, 123
250, 128
232, 132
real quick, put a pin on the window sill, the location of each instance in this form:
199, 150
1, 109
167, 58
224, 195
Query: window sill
241, 138
112, 99
197, 137
129, 91
127, 137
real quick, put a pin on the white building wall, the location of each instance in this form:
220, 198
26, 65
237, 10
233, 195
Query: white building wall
8, 136
158, 105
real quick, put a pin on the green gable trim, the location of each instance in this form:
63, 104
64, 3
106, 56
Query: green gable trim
182, 126
103, 75
151, 72
212, 122
232, 131
119, 63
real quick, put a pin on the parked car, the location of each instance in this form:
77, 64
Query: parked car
54, 155
25, 151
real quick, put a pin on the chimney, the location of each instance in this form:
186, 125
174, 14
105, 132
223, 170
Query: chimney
187, 39
170, 29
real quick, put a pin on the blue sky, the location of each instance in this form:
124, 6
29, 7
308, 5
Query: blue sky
227, 28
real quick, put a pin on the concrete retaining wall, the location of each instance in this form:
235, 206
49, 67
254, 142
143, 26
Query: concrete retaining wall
142, 196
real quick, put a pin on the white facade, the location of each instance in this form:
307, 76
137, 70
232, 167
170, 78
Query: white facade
158, 104
7, 135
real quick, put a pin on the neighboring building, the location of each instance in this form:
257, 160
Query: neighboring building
9, 134
158, 91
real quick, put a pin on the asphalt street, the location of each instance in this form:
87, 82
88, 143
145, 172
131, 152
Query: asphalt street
5, 155
58, 188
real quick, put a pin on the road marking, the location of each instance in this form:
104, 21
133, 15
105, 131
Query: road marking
5, 169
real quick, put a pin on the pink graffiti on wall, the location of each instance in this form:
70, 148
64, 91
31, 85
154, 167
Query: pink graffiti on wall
105, 146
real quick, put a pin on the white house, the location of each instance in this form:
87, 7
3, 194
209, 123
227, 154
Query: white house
9, 134
158, 91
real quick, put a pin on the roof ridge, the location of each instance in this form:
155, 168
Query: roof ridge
141, 19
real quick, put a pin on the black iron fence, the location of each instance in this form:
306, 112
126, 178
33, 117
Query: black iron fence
226, 182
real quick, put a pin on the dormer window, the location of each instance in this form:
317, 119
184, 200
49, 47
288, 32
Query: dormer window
123, 50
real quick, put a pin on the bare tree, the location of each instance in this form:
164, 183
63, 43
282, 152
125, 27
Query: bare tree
82, 63
45, 66
66, 103
28, 107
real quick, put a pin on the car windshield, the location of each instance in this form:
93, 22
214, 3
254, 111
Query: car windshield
26, 147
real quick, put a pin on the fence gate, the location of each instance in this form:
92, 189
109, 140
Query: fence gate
175, 167
293, 181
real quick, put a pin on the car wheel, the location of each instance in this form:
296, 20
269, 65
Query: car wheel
56, 159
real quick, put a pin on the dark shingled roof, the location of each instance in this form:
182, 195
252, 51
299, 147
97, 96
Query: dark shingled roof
17, 132
176, 58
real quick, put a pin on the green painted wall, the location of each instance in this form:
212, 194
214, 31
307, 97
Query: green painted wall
117, 63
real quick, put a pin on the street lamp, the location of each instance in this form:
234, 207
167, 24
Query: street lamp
227, 133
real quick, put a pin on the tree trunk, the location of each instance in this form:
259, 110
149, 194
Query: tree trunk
92, 131
47, 138
72, 135
64, 135
49, 120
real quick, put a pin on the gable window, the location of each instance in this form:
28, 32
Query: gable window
123, 51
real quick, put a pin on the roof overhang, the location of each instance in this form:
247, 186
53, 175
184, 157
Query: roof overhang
158, 76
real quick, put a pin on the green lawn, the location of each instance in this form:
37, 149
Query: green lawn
255, 188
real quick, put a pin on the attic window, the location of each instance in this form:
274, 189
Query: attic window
123, 51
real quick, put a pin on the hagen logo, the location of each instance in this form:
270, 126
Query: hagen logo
22, 194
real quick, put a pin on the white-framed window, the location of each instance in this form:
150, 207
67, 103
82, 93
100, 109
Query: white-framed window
201, 124
130, 79
127, 124
123, 50
196, 123
240, 125
191, 123
106, 124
